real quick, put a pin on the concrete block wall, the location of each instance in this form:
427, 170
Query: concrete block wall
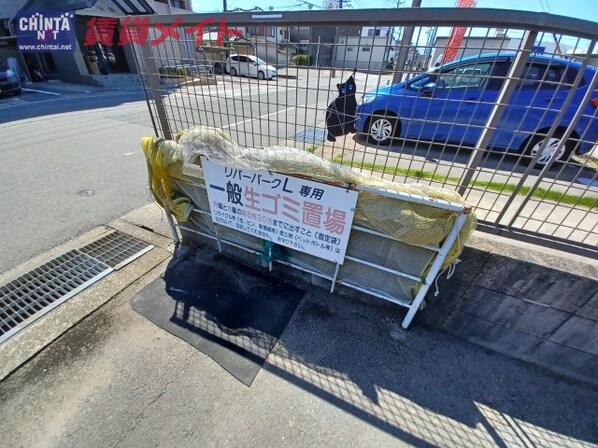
525, 302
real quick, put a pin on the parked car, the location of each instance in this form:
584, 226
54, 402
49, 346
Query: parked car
9, 80
247, 65
452, 103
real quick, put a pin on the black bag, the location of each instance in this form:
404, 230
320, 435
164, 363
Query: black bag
340, 114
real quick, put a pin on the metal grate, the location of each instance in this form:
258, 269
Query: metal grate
28, 297
116, 249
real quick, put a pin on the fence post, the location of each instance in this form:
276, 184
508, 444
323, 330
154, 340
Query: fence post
154, 83
586, 99
497, 111
404, 48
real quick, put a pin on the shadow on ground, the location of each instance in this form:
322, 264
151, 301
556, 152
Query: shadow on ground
343, 373
424, 387
230, 312
48, 106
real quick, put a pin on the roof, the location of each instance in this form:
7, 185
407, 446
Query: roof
109, 8
102, 8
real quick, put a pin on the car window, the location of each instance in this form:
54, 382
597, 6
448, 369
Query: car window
471, 76
234, 58
421, 81
242, 58
546, 76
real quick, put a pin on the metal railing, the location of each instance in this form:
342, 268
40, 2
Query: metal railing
515, 133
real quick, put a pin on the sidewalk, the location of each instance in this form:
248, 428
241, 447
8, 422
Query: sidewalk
342, 374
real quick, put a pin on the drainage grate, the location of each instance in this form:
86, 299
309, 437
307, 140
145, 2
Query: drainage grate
116, 249
28, 297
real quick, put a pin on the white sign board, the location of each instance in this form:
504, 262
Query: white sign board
300, 214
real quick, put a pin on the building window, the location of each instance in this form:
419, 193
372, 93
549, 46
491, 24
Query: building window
178, 4
373, 32
272, 32
133, 7
366, 48
123, 6
142, 8
351, 49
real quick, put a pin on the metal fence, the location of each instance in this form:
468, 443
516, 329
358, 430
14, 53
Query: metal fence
515, 133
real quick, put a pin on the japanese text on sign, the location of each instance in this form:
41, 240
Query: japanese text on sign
300, 214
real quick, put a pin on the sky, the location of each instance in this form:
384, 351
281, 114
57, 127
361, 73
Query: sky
581, 9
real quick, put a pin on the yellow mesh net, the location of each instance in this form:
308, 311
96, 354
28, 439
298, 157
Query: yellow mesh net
409, 222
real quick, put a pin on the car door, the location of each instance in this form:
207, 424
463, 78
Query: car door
241, 65
458, 104
233, 63
252, 67
536, 102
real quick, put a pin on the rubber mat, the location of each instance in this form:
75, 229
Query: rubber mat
231, 313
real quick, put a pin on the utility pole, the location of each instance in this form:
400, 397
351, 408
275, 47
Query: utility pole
405, 47
333, 59
223, 5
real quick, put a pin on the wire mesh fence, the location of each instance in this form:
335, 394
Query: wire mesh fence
508, 116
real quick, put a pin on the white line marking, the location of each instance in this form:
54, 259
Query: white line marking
257, 118
42, 91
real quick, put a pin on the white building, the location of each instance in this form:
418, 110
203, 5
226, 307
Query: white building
371, 49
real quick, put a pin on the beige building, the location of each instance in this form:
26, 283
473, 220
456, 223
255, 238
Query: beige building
95, 65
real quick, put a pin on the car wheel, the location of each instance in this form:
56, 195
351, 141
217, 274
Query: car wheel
233, 71
382, 129
554, 145
261, 75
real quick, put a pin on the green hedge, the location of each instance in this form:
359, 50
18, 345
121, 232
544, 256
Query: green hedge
174, 71
301, 59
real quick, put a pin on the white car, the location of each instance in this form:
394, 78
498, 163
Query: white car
247, 65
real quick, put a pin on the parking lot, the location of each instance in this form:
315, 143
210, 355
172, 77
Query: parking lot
291, 111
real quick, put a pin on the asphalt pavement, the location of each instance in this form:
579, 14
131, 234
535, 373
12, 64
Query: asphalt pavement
51, 98
343, 374
67, 165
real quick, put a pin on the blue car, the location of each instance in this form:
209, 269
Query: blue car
453, 102
9, 80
